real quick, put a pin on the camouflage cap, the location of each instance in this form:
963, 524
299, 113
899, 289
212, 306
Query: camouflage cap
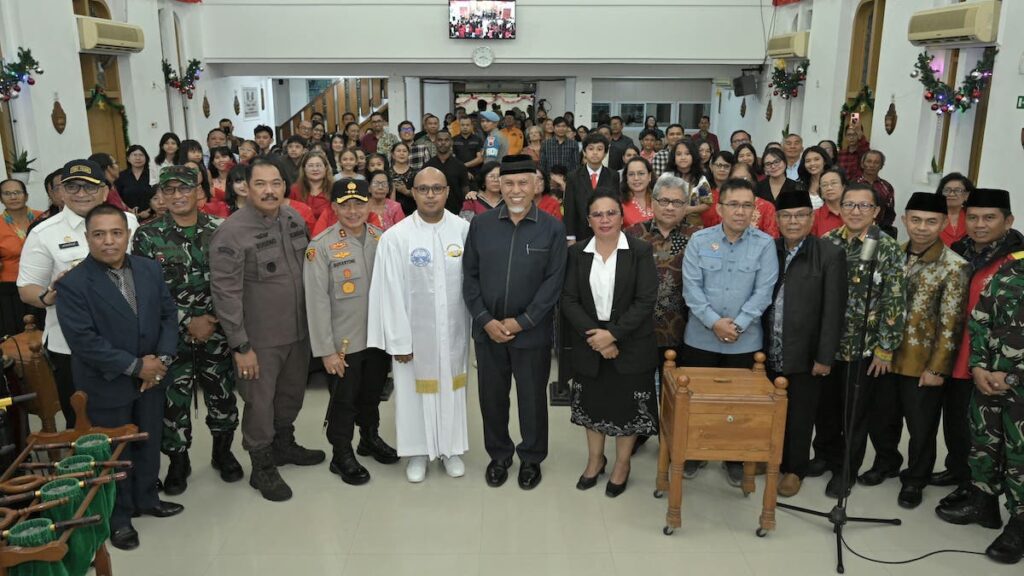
184, 174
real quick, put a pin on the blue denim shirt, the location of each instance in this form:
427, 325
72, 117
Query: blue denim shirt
722, 279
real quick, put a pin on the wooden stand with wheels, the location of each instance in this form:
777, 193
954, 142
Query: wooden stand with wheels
55, 551
720, 414
26, 349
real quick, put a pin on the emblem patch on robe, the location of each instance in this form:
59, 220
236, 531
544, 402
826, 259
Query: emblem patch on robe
347, 273
453, 250
310, 254
420, 257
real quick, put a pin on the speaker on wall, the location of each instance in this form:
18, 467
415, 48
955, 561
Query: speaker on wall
744, 85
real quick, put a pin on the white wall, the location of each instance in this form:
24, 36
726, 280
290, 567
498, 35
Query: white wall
437, 98
1001, 153
634, 90
554, 92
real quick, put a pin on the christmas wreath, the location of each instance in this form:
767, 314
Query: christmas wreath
185, 84
786, 84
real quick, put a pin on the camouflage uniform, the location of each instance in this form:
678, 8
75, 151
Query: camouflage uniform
184, 255
997, 422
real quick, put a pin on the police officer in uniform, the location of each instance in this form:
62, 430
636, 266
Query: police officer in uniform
256, 281
339, 265
180, 242
52, 248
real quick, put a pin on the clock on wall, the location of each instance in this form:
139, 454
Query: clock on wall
483, 56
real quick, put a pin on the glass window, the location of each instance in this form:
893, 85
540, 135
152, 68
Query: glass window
632, 114
690, 113
600, 113
662, 112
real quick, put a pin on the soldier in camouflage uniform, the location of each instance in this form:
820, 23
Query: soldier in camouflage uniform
180, 242
997, 412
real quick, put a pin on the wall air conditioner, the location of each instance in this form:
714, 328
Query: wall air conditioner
789, 45
100, 36
967, 24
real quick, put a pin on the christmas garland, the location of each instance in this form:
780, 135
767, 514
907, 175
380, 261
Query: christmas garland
785, 84
99, 98
865, 100
944, 98
185, 85
12, 74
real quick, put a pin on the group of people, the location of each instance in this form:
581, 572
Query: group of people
614, 261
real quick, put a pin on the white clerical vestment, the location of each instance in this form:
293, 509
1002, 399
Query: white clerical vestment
416, 308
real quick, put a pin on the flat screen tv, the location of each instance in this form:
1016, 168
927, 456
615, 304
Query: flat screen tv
482, 19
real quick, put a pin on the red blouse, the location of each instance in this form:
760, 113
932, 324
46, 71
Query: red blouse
954, 230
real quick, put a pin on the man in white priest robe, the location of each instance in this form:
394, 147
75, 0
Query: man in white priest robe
417, 315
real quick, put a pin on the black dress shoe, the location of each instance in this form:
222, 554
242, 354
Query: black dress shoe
910, 496
344, 464
876, 476
125, 538
163, 510
529, 476
1008, 548
585, 483
371, 444
497, 472
944, 478
816, 467
979, 508
832, 489
961, 493
612, 490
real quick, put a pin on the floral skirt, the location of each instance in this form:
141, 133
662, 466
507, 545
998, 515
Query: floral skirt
615, 404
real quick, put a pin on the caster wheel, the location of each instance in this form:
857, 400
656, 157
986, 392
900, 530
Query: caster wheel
667, 530
659, 494
761, 532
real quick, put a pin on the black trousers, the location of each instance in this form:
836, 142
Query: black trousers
697, 358
61, 366
355, 398
137, 491
922, 406
804, 393
956, 426
830, 422
496, 365
885, 422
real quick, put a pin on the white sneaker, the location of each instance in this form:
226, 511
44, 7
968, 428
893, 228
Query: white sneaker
416, 469
453, 466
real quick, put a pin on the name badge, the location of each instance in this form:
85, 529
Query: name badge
66, 245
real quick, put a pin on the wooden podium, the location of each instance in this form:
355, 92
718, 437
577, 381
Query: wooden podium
720, 414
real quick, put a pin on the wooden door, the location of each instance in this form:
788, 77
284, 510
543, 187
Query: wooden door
106, 132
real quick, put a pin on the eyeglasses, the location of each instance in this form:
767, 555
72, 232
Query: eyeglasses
794, 216
953, 191
406, 129
854, 206
772, 164
739, 206
830, 185
721, 165
435, 190
11, 193
171, 191
602, 215
379, 184
89, 189
636, 174
665, 203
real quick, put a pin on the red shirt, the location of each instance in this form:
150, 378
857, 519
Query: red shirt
115, 199
305, 211
763, 218
954, 230
316, 202
551, 204
632, 214
216, 208
978, 283
825, 221
850, 161
369, 142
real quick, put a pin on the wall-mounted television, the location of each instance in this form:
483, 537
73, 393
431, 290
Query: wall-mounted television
482, 19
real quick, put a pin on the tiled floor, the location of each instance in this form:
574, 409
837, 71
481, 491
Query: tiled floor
461, 527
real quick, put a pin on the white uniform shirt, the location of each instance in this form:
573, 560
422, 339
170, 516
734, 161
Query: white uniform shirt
55, 246
602, 277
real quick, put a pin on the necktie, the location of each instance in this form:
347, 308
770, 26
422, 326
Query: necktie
593, 181
118, 276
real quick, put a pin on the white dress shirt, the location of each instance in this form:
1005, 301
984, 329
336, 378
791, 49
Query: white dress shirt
602, 277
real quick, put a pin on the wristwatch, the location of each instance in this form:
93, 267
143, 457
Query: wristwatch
242, 348
1012, 379
165, 359
42, 296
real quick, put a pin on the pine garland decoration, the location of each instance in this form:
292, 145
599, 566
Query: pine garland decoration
785, 84
98, 98
184, 84
946, 99
13, 74
865, 100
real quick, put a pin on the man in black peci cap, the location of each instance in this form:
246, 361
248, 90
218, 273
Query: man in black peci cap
512, 278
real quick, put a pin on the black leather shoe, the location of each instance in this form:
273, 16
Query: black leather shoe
344, 464
910, 496
163, 510
876, 476
125, 538
585, 483
371, 444
832, 489
178, 471
979, 508
816, 467
529, 476
944, 478
497, 472
1008, 548
961, 493
613, 490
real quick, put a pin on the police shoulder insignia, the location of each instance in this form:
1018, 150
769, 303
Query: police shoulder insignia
339, 245
310, 254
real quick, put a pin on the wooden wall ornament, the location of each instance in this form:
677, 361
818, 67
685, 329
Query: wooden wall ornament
58, 117
769, 111
891, 118
238, 105
743, 108
206, 105
263, 101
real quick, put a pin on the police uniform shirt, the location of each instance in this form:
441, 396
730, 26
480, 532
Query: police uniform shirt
55, 246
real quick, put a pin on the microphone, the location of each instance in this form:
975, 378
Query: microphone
870, 246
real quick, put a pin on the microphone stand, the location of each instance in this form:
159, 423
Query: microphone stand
837, 516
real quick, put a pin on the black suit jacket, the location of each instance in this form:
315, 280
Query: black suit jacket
103, 333
814, 304
632, 317
763, 189
578, 191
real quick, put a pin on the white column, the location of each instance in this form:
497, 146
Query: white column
396, 102
413, 102
582, 99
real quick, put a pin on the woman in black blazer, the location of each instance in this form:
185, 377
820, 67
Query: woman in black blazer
776, 182
610, 288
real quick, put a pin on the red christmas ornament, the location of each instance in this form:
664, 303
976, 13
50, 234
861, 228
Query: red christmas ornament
794, 93
17, 87
31, 81
775, 93
976, 93
935, 107
771, 85
959, 97
928, 95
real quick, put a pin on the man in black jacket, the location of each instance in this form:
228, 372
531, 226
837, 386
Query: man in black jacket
512, 278
803, 325
582, 183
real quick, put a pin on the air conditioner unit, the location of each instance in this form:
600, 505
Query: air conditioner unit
100, 36
789, 45
970, 23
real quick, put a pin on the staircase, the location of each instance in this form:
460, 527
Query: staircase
360, 96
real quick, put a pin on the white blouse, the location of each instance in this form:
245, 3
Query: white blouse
602, 277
